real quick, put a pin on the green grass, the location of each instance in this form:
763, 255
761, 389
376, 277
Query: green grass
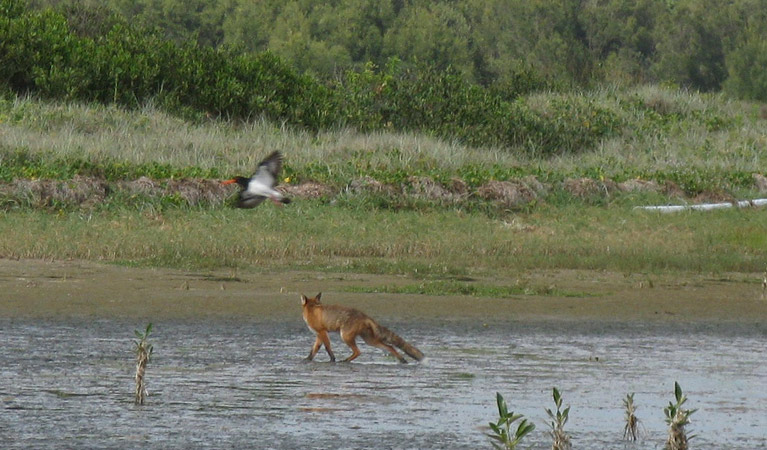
704, 143
317, 236
699, 141
450, 287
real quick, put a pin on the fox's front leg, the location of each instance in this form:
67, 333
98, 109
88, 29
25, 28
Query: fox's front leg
322, 338
315, 348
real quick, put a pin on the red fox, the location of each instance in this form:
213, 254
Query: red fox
350, 323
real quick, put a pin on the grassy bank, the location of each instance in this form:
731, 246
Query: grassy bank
417, 243
704, 147
698, 141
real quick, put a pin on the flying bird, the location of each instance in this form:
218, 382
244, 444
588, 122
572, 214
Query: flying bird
261, 185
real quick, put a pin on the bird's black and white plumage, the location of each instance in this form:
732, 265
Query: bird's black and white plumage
261, 185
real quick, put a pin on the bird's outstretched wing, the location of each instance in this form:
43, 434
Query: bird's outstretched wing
269, 169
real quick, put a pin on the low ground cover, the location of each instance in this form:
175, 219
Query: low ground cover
142, 188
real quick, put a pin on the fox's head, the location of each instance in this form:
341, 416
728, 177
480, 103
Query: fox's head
307, 302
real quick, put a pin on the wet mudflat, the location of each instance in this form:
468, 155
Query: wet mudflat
227, 370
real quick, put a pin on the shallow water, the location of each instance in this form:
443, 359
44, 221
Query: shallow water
242, 383
228, 370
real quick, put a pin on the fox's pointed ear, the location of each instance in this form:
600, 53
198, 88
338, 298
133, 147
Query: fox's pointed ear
303, 299
318, 296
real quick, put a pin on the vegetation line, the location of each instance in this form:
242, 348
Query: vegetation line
433, 288
356, 238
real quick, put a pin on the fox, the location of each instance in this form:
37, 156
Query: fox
350, 323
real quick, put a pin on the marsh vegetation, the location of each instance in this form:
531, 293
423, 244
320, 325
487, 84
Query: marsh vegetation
142, 187
143, 349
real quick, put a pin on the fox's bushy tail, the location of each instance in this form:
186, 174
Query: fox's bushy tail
391, 338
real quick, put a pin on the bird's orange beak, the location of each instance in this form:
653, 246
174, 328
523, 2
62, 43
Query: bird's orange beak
229, 181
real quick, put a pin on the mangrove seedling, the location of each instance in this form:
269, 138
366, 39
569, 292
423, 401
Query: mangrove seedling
632, 423
558, 421
677, 419
502, 434
143, 353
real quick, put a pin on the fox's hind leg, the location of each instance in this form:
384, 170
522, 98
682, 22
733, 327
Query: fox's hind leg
350, 340
375, 342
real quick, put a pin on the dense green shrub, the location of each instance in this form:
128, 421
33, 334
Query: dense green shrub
130, 66
747, 64
497, 43
444, 103
29, 43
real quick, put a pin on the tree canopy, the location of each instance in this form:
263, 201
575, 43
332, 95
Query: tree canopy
458, 69
700, 44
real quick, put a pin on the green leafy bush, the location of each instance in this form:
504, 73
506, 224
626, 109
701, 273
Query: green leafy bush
59, 57
445, 104
503, 436
130, 66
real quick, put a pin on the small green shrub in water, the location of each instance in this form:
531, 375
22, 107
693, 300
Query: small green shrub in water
632, 423
143, 353
677, 419
502, 435
558, 421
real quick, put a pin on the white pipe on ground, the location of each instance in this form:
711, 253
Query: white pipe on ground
706, 206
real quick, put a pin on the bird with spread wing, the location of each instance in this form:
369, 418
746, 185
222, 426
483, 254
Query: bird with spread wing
260, 186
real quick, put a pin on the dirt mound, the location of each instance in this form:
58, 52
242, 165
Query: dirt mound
79, 191
541, 189
372, 186
637, 185
307, 189
672, 189
511, 194
581, 187
193, 191
668, 188
142, 186
425, 187
760, 181
196, 191
714, 197
458, 187
586, 187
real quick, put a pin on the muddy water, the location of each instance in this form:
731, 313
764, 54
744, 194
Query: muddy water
228, 372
